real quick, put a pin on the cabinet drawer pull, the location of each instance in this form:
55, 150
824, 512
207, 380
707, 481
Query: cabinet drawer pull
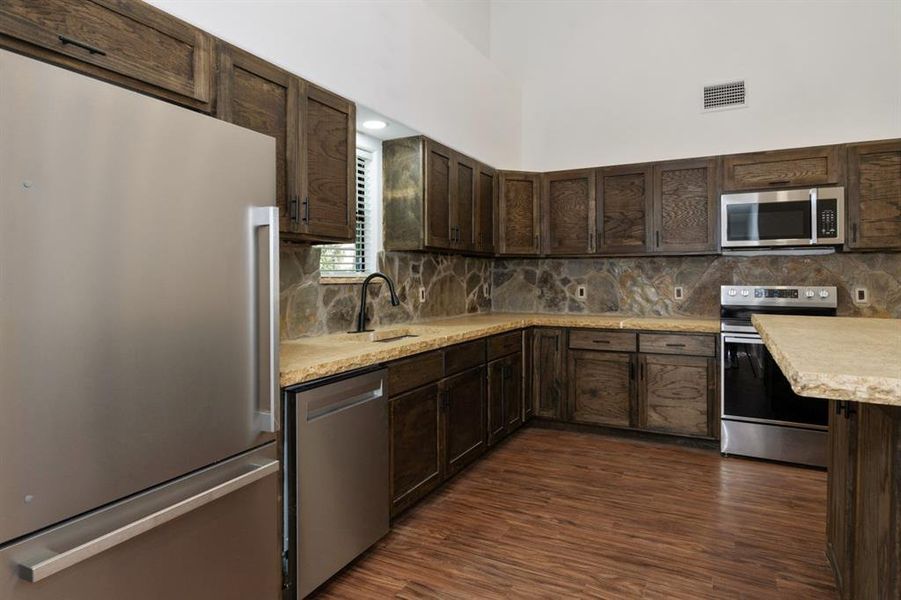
91, 49
601, 341
780, 182
675, 345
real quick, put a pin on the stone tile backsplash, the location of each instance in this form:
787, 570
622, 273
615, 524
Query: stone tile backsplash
645, 285
454, 285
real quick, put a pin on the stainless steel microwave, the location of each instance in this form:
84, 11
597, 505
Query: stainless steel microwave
808, 217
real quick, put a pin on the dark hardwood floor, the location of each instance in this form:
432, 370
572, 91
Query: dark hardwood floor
554, 514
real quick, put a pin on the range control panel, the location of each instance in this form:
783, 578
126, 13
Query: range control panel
778, 295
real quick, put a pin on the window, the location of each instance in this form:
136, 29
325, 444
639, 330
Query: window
358, 258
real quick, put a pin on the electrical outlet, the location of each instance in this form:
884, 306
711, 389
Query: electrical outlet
422, 294
678, 292
581, 292
861, 296
486, 290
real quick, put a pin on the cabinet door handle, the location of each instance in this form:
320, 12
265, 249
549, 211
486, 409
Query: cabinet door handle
631, 371
854, 232
641, 371
657, 234
591, 242
91, 49
293, 213
537, 245
306, 209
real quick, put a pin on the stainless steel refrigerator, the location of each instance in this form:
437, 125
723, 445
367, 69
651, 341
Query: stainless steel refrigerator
138, 346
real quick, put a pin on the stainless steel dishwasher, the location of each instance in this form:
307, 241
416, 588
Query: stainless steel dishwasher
336, 489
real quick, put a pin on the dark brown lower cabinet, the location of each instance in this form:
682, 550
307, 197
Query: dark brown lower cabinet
676, 394
504, 396
528, 406
548, 350
864, 500
513, 397
465, 418
416, 445
602, 388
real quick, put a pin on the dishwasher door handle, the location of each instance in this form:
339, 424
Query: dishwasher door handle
329, 399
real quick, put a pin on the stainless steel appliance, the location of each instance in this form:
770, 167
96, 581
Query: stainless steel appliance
761, 415
809, 217
336, 489
139, 328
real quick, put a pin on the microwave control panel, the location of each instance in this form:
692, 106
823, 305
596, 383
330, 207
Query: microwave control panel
827, 218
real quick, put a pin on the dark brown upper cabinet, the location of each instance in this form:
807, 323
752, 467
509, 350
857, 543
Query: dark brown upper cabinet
439, 161
782, 168
259, 96
129, 43
486, 200
327, 190
685, 202
625, 203
463, 227
874, 196
568, 208
519, 213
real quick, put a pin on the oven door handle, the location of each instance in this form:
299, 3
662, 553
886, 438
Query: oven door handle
740, 340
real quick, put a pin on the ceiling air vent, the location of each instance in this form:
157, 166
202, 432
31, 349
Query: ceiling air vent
724, 95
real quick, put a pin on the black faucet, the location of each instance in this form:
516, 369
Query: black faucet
361, 318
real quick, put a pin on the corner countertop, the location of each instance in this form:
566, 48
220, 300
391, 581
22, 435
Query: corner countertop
839, 358
307, 359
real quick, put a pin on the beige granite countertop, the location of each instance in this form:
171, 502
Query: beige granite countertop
840, 358
306, 359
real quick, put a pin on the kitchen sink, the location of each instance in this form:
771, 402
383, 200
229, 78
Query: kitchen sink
392, 334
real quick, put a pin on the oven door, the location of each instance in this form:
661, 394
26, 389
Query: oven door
755, 390
783, 218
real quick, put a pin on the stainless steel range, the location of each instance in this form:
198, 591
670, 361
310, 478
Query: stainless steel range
761, 415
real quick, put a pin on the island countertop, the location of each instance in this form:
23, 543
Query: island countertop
839, 358
310, 358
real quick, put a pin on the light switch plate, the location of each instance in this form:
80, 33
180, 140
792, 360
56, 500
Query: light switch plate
861, 296
678, 292
581, 292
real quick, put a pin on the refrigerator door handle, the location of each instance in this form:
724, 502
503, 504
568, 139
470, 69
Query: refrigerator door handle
268, 320
41, 569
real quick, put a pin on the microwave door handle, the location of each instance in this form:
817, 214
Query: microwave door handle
266, 218
813, 216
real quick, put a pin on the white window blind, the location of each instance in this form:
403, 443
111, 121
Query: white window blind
337, 260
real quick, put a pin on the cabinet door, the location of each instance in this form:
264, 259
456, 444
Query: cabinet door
624, 209
547, 373
568, 207
417, 456
518, 213
513, 392
463, 232
439, 162
874, 195
261, 97
677, 394
685, 206
841, 492
486, 195
328, 172
782, 168
602, 388
131, 43
528, 405
465, 417
497, 425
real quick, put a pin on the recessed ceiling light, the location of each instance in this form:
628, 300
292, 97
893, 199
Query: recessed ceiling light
374, 124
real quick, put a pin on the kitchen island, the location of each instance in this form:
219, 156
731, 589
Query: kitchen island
855, 363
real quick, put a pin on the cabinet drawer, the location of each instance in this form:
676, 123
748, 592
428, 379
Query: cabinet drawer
665, 343
132, 39
409, 373
618, 341
782, 168
504, 344
463, 356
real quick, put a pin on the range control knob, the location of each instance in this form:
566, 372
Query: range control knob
824, 293
745, 292
809, 293
731, 291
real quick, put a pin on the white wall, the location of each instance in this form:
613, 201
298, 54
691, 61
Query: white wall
471, 19
400, 58
616, 82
